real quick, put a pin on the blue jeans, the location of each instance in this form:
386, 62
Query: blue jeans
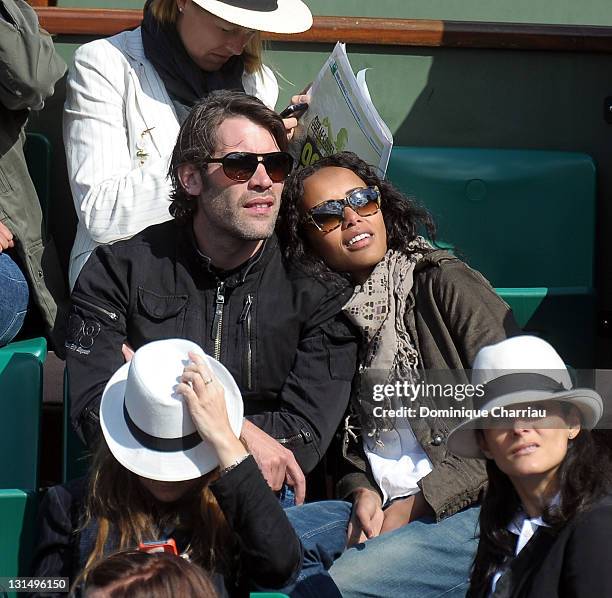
13, 299
423, 559
322, 528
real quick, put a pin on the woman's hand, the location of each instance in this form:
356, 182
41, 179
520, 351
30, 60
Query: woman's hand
205, 400
367, 516
292, 122
6, 236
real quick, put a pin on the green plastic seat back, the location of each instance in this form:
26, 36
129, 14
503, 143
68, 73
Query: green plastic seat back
524, 218
37, 152
17, 533
33, 346
76, 457
21, 379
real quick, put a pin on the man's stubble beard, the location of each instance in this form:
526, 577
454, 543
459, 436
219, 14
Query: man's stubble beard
227, 215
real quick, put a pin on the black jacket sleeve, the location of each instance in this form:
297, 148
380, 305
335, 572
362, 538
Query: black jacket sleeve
316, 392
29, 65
57, 523
96, 332
271, 553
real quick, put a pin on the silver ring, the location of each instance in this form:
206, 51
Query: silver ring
208, 380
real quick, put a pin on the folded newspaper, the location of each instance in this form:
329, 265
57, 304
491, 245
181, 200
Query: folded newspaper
341, 117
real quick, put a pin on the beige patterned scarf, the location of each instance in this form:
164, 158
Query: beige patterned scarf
388, 354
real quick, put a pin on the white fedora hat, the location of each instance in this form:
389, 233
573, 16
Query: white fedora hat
147, 424
519, 370
275, 16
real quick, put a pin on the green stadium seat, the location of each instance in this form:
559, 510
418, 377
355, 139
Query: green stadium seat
33, 346
17, 537
21, 380
76, 456
37, 152
526, 220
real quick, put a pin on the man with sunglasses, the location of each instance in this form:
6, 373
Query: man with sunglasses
214, 275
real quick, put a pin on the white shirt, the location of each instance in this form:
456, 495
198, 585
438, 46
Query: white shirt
398, 461
524, 527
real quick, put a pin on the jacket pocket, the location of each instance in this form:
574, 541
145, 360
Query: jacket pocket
167, 312
342, 356
5, 184
160, 307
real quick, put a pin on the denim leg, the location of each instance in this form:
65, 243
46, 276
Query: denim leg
321, 527
13, 299
423, 559
286, 497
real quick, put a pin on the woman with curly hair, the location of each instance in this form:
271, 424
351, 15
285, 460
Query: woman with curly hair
418, 309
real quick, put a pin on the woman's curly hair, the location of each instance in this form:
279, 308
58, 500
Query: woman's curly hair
404, 218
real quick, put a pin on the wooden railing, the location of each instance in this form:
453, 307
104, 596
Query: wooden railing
366, 30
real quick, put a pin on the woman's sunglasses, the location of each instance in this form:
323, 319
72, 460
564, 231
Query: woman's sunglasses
241, 166
328, 215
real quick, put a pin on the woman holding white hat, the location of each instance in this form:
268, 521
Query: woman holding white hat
127, 95
546, 517
170, 469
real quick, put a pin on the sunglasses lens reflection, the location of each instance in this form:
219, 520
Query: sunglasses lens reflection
241, 166
330, 214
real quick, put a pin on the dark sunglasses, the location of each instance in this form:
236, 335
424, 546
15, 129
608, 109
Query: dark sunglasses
328, 215
241, 166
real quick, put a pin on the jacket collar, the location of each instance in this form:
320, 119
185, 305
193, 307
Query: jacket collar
231, 278
133, 45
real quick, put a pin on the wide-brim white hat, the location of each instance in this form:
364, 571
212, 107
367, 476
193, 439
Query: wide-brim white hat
518, 371
147, 425
274, 16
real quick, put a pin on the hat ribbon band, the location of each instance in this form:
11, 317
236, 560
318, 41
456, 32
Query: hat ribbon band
254, 5
164, 445
520, 382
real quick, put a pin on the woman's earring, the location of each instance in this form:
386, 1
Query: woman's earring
180, 9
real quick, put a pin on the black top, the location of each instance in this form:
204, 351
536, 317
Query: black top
270, 553
574, 562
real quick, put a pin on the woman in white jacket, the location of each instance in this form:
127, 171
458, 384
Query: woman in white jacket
127, 94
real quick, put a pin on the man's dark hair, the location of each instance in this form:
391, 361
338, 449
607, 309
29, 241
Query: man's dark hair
197, 139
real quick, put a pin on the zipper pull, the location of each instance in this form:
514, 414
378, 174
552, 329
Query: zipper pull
247, 307
219, 303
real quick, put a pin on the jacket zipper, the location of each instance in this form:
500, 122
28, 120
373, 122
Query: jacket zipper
245, 317
109, 314
218, 319
289, 439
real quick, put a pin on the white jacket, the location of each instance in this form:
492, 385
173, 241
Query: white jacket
119, 132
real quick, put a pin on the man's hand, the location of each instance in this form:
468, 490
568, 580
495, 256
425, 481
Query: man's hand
277, 464
403, 511
367, 516
6, 238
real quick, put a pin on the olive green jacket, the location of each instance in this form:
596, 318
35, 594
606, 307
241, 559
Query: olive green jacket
29, 69
451, 313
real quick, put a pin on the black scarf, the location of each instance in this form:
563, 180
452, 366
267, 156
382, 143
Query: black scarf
184, 80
